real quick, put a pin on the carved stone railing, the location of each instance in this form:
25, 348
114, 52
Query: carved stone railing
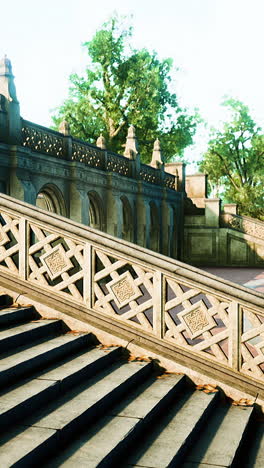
87, 154
117, 163
150, 174
207, 319
250, 226
44, 140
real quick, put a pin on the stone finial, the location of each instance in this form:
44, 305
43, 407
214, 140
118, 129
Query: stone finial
5, 66
100, 142
64, 128
156, 160
131, 149
7, 85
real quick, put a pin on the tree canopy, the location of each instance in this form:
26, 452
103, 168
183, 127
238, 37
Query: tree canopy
124, 86
234, 161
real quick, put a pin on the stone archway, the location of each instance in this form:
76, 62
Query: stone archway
154, 227
96, 212
127, 228
50, 198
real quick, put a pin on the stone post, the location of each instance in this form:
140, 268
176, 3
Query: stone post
114, 221
11, 107
230, 208
178, 170
79, 204
131, 148
143, 222
157, 160
65, 129
212, 211
100, 142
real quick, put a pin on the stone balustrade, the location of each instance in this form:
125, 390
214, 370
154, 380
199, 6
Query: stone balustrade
213, 323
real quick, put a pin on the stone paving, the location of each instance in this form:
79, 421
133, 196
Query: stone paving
250, 277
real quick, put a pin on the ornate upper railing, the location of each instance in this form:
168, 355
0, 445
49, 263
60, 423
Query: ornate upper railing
44, 140
250, 226
206, 317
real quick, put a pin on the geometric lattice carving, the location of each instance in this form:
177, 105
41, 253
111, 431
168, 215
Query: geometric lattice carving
56, 262
197, 320
87, 154
252, 344
123, 290
3, 236
9, 242
42, 140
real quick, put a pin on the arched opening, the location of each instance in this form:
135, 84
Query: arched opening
95, 211
154, 227
127, 228
50, 198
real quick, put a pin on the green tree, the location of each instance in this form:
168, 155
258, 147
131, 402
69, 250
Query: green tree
234, 161
121, 87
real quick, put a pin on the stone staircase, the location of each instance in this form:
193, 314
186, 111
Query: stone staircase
67, 400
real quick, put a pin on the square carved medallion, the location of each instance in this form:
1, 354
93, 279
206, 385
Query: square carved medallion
124, 289
56, 261
197, 319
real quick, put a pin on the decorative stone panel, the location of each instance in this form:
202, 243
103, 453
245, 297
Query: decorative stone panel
124, 290
197, 319
56, 262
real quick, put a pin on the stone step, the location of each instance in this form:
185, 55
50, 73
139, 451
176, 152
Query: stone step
167, 443
252, 453
31, 359
19, 335
9, 316
5, 300
48, 385
59, 422
109, 439
220, 441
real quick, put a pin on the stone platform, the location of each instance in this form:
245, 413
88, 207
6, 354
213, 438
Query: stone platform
250, 277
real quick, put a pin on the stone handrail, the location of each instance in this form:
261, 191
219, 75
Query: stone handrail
44, 140
250, 226
194, 312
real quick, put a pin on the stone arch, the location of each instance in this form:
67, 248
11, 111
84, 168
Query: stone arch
127, 228
51, 199
96, 212
154, 227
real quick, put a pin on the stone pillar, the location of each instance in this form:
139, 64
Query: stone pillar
8, 90
131, 148
212, 211
230, 208
178, 170
114, 212
157, 160
143, 222
79, 204
167, 229
196, 188
100, 142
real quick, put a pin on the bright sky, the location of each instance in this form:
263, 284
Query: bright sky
217, 44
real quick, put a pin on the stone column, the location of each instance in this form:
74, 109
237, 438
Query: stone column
143, 222
212, 211
11, 106
178, 170
230, 208
79, 204
167, 229
114, 215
